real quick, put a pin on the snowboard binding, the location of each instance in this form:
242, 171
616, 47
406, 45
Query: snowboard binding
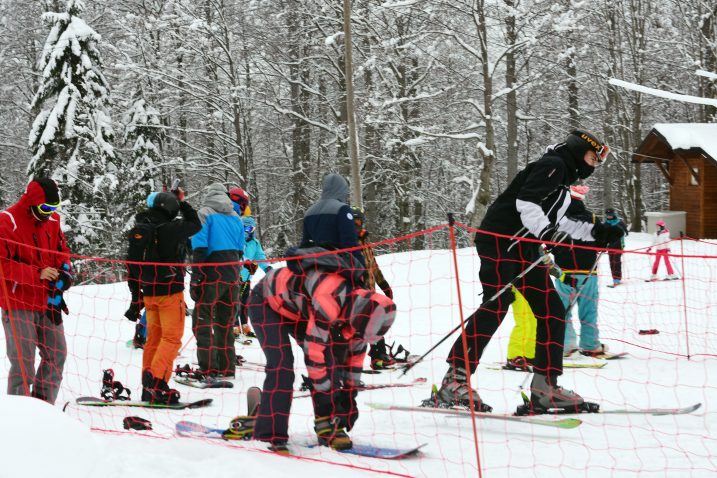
112, 389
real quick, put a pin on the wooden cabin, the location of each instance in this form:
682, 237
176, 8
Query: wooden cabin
686, 154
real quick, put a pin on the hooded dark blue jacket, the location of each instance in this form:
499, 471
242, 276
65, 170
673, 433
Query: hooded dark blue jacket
330, 221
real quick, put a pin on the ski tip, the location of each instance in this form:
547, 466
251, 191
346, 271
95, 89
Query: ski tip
569, 423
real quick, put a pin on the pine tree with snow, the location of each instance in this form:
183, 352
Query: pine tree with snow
71, 135
142, 129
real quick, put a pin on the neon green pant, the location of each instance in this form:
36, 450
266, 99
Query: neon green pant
522, 338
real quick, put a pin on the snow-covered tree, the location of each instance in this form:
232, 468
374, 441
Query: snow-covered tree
71, 135
143, 132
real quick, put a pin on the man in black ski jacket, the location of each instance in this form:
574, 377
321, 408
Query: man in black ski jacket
533, 207
163, 289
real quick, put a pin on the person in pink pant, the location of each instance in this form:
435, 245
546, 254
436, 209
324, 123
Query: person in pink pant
661, 244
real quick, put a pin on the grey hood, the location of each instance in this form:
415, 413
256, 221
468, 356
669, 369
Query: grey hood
335, 187
216, 198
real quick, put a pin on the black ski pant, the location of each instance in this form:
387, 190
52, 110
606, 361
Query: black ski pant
615, 264
499, 267
245, 289
212, 326
273, 333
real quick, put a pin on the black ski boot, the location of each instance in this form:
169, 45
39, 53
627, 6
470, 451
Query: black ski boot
156, 390
454, 393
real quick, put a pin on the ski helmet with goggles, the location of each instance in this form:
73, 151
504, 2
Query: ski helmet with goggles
239, 196
579, 142
372, 314
44, 196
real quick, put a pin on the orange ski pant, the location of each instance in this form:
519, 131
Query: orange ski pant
165, 326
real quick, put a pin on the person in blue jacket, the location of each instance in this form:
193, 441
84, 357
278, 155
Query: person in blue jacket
215, 288
252, 252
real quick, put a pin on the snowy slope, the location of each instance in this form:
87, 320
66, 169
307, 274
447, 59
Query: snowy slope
656, 374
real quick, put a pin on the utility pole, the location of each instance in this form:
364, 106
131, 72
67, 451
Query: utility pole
350, 116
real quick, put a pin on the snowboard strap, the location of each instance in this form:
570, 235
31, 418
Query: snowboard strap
111, 389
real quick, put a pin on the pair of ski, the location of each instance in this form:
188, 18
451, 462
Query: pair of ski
596, 365
378, 386
195, 430
564, 423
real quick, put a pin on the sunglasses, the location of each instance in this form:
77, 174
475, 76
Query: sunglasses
48, 209
249, 229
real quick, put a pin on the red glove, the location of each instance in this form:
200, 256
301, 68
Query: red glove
179, 192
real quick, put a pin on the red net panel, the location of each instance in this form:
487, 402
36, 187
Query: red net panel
662, 326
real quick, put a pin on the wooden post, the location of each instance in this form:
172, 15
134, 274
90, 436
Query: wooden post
350, 116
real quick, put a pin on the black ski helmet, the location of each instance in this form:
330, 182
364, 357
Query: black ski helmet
579, 142
166, 202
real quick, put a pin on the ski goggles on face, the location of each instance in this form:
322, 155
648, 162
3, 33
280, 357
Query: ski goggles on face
47, 209
239, 200
249, 229
603, 152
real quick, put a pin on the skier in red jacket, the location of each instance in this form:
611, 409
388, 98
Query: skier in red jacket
35, 271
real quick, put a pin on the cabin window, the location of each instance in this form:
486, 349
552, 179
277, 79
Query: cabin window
694, 177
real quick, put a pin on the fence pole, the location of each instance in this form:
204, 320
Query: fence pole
684, 295
464, 339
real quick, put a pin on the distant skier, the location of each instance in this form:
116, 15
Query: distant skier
615, 252
661, 243
532, 205
252, 252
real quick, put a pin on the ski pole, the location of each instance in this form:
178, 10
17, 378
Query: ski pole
578, 290
495, 296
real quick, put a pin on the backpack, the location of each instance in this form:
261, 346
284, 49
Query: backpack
143, 243
144, 247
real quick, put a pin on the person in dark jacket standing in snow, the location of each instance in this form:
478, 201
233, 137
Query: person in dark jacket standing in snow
163, 290
532, 206
36, 270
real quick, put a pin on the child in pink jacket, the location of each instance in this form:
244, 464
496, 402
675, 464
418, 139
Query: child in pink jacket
661, 244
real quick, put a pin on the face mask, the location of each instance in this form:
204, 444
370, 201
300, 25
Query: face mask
584, 170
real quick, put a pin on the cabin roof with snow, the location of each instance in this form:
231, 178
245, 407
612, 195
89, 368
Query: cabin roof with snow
665, 139
686, 154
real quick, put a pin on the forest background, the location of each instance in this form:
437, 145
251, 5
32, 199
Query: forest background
115, 98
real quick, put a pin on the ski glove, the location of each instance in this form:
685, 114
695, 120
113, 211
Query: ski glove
55, 307
251, 267
552, 234
64, 280
133, 312
605, 234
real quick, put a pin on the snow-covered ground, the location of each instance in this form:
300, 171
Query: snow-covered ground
40, 440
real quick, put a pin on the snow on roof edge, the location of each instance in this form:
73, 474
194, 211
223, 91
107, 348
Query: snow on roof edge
690, 135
